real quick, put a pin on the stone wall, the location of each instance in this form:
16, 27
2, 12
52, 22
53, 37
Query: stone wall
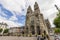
17, 38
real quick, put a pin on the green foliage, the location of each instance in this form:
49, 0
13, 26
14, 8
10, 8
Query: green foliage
57, 22
57, 30
6, 30
1, 30
58, 13
57, 19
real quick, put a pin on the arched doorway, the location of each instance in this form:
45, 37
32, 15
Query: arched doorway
32, 29
38, 30
44, 32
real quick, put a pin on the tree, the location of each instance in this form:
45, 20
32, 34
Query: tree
57, 19
57, 22
57, 30
1, 30
6, 31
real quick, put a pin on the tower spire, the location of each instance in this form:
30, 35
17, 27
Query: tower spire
29, 11
36, 4
29, 8
36, 8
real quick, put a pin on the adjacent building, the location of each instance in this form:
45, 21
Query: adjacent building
13, 31
16, 31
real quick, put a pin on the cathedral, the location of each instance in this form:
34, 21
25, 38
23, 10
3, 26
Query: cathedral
35, 23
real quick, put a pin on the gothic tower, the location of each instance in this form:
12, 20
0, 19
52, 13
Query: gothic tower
39, 20
28, 21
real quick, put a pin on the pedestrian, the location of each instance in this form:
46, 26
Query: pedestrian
39, 37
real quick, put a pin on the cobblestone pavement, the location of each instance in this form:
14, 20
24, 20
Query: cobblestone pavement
17, 38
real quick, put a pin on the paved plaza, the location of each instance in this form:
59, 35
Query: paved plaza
17, 38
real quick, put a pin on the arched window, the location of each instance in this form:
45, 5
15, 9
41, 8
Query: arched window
44, 32
27, 29
36, 8
36, 14
32, 21
28, 12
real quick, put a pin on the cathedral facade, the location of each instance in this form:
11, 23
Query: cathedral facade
35, 23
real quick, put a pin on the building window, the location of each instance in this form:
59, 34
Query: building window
44, 32
27, 30
36, 8
27, 11
22, 32
32, 22
36, 14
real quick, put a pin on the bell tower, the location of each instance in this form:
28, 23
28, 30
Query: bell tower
28, 20
37, 20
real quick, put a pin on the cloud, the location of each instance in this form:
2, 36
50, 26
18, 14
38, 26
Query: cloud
10, 23
13, 18
13, 5
19, 7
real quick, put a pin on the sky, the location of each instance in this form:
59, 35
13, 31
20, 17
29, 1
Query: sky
13, 12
